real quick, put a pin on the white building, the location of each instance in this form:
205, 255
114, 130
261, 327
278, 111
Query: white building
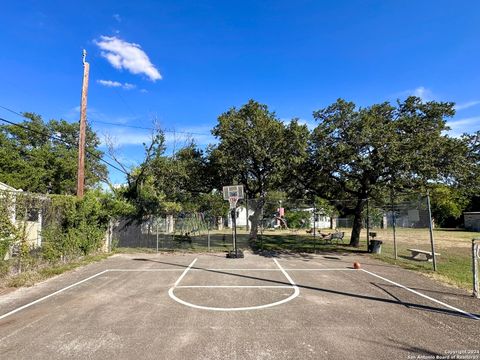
322, 221
30, 222
242, 217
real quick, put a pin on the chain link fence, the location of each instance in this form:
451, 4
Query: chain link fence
36, 230
187, 231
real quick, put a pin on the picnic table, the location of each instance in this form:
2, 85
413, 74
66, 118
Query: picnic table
417, 252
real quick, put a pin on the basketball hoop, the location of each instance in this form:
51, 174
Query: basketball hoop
232, 193
233, 201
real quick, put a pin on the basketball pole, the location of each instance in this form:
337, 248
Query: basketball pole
233, 193
234, 223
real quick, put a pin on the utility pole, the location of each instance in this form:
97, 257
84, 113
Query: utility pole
83, 120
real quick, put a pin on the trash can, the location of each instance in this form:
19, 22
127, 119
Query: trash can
375, 246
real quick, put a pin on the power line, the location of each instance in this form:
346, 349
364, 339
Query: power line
121, 125
59, 139
12, 111
147, 128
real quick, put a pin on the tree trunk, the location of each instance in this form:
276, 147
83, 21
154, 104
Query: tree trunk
257, 212
357, 223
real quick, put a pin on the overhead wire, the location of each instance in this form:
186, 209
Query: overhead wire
58, 139
99, 122
147, 128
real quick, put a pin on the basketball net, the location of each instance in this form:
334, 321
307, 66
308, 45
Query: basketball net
233, 201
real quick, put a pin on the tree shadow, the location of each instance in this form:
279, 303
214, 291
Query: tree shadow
406, 347
426, 308
436, 291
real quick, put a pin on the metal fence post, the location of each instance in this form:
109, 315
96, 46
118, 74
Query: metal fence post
156, 220
475, 260
394, 226
368, 224
208, 236
432, 241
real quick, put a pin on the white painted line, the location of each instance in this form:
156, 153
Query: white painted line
185, 272
296, 292
229, 269
285, 273
172, 295
234, 287
292, 269
424, 296
323, 269
146, 270
50, 295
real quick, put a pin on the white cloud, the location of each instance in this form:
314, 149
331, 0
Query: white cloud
130, 56
128, 86
463, 122
117, 17
422, 92
466, 105
127, 137
144, 91
466, 125
109, 83
311, 124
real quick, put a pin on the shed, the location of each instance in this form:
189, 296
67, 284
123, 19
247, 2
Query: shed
472, 220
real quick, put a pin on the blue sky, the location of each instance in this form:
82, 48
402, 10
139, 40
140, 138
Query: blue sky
183, 63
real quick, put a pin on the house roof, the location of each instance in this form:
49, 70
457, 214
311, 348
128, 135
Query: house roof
4, 186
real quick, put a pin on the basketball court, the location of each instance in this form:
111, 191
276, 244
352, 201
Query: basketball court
205, 306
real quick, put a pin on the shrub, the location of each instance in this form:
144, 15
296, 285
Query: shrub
298, 219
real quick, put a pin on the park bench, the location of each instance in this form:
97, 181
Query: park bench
417, 252
338, 236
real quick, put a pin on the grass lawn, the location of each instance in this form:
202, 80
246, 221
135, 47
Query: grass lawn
45, 271
454, 265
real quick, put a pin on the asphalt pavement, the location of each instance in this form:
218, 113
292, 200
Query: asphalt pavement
204, 306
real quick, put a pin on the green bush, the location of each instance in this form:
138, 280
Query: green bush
52, 243
298, 219
8, 231
72, 228
79, 225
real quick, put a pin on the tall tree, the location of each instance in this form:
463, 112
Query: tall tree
166, 184
358, 153
255, 149
41, 156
